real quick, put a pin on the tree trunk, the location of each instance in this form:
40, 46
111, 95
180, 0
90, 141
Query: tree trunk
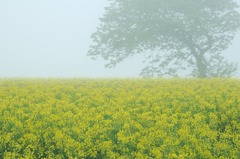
198, 55
201, 66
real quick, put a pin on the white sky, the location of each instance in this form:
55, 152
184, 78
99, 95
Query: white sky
50, 38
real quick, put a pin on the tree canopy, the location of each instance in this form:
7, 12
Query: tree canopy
173, 35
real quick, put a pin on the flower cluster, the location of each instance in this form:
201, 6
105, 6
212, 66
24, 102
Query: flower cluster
120, 118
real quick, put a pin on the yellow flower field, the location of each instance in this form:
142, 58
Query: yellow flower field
119, 118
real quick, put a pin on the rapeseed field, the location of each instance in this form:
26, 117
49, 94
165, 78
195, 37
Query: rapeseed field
119, 118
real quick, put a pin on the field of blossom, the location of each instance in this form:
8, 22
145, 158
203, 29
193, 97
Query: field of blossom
119, 118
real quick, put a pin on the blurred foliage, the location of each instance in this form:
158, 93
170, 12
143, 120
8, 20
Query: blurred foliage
173, 35
120, 118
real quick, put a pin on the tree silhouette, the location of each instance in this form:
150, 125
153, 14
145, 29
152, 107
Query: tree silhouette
173, 35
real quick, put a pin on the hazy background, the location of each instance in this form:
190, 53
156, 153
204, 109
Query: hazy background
50, 38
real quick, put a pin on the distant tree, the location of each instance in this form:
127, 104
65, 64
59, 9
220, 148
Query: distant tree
172, 34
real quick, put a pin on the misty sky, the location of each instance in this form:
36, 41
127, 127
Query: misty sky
50, 38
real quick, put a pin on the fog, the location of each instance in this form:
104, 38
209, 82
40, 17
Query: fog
51, 39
